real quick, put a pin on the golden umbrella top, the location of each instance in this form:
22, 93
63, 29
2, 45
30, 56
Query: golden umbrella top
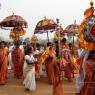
45, 24
72, 28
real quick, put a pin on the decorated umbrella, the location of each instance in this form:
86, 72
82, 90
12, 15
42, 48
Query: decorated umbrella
34, 39
87, 29
72, 30
44, 26
13, 21
16, 24
16, 33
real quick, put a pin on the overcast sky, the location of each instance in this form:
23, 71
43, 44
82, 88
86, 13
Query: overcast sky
34, 10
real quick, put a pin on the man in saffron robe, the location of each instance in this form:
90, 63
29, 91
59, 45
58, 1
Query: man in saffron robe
18, 60
3, 63
89, 81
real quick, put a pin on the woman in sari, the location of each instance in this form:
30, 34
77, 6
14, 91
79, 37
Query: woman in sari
49, 65
36, 55
80, 76
58, 67
89, 81
66, 54
18, 60
3, 63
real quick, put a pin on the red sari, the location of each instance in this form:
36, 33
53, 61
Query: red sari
49, 66
69, 68
18, 60
37, 69
68, 71
89, 81
57, 86
3, 65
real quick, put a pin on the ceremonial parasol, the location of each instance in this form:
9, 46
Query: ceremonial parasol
16, 24
45, 26
13, 21
87, 29
72, 30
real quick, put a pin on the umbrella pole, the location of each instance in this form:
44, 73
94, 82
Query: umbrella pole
73, 39
59, 53
47, 36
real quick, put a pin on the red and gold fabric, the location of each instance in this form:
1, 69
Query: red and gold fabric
16, 33
44, 55
18, 61
89, 81
84, 43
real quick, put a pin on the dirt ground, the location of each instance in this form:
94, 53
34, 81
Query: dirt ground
15, 87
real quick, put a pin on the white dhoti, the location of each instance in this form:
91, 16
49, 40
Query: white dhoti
29, 81
10, 66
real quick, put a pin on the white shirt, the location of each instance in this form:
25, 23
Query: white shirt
30, 58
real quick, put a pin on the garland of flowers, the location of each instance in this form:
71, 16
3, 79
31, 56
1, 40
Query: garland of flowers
16, 33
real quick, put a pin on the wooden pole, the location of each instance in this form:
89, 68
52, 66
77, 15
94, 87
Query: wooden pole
47, 36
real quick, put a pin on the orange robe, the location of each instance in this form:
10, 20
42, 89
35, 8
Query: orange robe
57, 86
67, 56
3, 65
89, 81
49, 66
18, 60
69, 68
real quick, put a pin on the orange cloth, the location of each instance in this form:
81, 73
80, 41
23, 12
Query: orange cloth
89, 81
18, 60
44, 55
37, 68
64, 46
49, 70
69, 68
3, 65
58, 89
49, 66
57, 86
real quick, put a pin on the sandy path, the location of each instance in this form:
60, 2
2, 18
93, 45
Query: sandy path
15, 87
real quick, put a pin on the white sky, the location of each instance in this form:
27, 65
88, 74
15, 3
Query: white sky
34, 10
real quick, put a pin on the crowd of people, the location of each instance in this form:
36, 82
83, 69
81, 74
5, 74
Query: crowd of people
30, 62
